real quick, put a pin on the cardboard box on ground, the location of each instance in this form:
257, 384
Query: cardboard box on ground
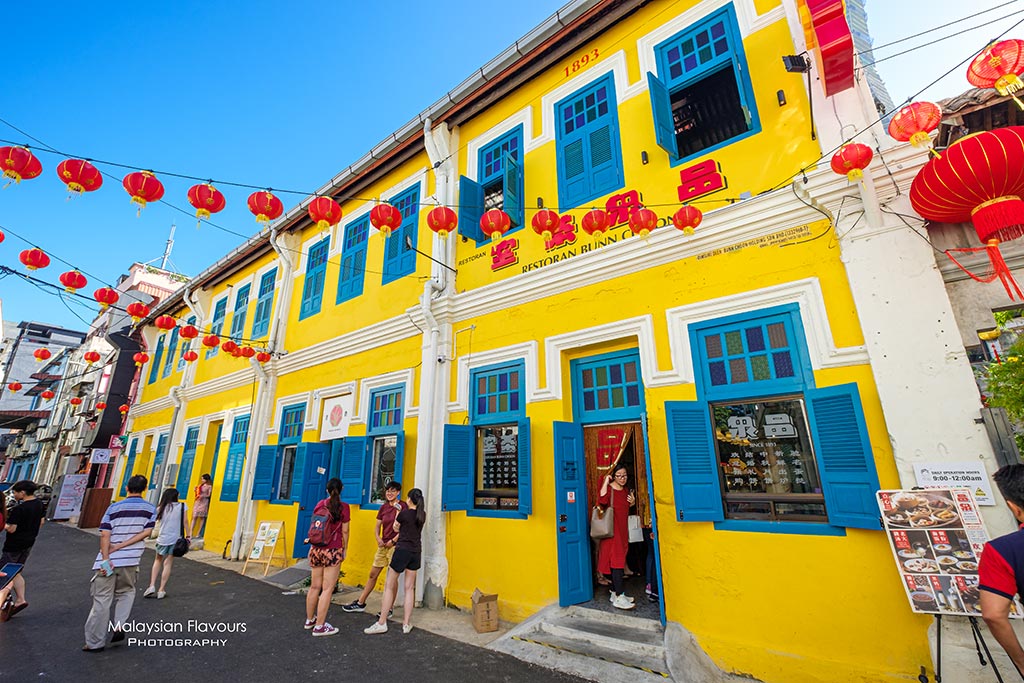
485, 611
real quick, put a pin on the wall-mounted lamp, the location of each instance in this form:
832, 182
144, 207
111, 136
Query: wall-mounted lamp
540, 202
781, 94
796, 64
643, 157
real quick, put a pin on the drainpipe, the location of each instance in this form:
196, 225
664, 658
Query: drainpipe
264, 402
432, 413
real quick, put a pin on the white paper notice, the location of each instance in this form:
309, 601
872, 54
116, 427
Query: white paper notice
944, 475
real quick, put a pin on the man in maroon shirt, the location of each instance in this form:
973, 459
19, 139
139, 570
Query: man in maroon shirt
386, 538
1001, 567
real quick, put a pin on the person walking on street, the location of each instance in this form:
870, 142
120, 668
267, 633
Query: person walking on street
201, 506
611, 555
172, 516
409, 526
325, 558
22, 525
125, 527
386, 538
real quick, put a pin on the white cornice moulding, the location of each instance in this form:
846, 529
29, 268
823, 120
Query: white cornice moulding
349, 344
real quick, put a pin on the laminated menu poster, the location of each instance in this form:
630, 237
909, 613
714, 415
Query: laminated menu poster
937, 536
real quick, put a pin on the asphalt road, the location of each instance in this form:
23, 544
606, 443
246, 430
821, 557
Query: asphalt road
43, 642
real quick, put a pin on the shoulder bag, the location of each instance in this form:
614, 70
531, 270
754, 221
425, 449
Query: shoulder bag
602, 522
182, 545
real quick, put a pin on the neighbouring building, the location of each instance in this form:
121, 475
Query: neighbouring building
760, 379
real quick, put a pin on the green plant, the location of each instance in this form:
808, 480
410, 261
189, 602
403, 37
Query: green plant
1004, 317
1006, 382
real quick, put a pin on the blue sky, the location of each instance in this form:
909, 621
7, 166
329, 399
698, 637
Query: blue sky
273, 96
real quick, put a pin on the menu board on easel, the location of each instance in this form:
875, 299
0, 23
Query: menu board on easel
936, 537
269, 537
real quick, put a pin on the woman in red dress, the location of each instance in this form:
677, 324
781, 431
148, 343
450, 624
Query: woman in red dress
611, 556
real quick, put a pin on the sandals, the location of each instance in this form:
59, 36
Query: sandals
601, 581
18, 608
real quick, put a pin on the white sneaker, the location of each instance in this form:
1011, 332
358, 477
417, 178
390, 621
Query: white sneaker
150, 592
406, 628
612, 596
376, 627
620, 602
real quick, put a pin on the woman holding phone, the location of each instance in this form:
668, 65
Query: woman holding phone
409, 526
611, 556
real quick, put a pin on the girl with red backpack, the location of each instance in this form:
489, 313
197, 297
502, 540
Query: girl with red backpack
328, 539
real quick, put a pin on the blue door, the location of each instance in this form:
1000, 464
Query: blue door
575, 578
654, 518
316, 466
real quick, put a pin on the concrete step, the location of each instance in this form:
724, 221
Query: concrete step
593, 644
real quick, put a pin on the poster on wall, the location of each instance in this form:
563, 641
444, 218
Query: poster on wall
72, 491
971, 475
936, 537
100, 456
337, 416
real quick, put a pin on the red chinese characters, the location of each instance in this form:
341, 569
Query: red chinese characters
564, 232
503, 254
620, 206
701, 179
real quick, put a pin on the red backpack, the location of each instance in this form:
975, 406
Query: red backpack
319, 533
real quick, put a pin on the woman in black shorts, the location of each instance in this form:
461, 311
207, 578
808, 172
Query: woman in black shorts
409, 525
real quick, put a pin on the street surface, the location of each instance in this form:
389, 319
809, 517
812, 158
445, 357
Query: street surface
43, 643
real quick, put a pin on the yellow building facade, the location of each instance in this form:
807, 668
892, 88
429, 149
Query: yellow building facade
725, 370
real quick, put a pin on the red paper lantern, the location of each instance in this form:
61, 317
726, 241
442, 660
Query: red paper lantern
206, 199
495, 223
101, 406
263, 357
914, 122
978, 179
73, 281
687, 218
91, 357
236, 352
140, 358
229, 346
144, 187
325, 212
165, 322
385, 218
106, 297
544, 222
596, 221
18, 163
1000, 66
265, 206
2, 236
79, 175
124, 408
211, 341
190, 356
75, 401
248, 352
14, 386
34, 258
47, 394
642, 222
188, 332
137, 310
851, 160
41, 355
442, 220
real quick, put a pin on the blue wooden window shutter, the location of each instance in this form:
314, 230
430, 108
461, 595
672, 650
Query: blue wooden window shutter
264, 304
513, 190
263, 477
587, 144
238, 315
843, 451
220, 311
458, 469
188, 455
172, 349
399, 258
525, 474
353, 260
299, 471
694, 462
128, 466
157, 357
186, 346
471, 210
354, 453
316, 273
661, 106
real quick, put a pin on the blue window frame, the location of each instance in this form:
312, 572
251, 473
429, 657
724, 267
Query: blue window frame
353, 260
232, 479
499, 185
386, 408
128, 465
385, 442
587, 144
172, 349
188, 456
486, 464
702, 98
292, 418
285, 484
220, 312
238, 314
763, 448
185, 346
158, 355
399, 258
264, 304
607, 388
316, 273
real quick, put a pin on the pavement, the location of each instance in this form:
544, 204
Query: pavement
253, 631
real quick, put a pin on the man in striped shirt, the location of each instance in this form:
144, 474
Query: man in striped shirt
125, 527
